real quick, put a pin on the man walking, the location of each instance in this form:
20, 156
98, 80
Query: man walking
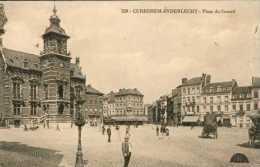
157, 131
126, 151
109, 134
103, 129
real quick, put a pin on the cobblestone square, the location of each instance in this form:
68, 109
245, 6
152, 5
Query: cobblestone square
183, 148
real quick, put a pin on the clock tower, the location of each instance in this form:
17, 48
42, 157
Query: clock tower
55, 63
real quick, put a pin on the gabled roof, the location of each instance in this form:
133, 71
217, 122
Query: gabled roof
17, 59
124, 91
242, 90
76, 70
91, 90
221, 84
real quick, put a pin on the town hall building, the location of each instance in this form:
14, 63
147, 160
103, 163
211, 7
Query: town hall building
41, 87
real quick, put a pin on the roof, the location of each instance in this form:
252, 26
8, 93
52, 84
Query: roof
56, 30
176, 92
55, 26
123, 92
17, 59
256, 82
222, 84
242, 89
91, 90
193, 81
110, 97
77, 73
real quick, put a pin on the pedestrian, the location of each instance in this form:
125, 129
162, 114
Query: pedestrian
126, 151
157, 131
167, 131
58, 127
109, 134
47, 122
103, 129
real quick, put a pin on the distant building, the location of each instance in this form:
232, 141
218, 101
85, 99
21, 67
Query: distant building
93, 104
245, 101
216, 97
191, 97
241, 105
109, 105
125, 106
176, 102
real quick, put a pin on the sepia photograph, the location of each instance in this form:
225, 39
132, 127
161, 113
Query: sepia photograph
130, 83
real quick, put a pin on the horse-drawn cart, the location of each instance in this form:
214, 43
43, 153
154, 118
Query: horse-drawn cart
210, 125
254, 130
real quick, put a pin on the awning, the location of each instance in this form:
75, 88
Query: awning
129, 118
188, 119
254, 115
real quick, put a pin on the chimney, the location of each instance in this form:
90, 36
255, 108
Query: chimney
184, 80
77, 60
208, 78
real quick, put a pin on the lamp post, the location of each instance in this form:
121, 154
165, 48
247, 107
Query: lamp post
79, 122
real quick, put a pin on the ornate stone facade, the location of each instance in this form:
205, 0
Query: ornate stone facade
41, 87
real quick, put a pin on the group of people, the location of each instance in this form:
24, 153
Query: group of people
163, 130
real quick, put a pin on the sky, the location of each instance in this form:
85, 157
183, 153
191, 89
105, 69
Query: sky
151, 51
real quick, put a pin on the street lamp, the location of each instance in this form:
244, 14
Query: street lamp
79, 122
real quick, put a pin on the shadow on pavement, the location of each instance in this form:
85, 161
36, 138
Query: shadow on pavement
206, 137
15, 154
256, 146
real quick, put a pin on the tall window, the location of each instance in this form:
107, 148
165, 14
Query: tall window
234, 107
241, 107
198, 108
17, 109
247, 107
33, 92
60, 91
255, 94
211, 108
226, 107
33, 108
211, 99
255, 106
219, 99
17, 90
226, 99
61, 109
219, 108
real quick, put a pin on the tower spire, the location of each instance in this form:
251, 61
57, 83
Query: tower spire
54, 9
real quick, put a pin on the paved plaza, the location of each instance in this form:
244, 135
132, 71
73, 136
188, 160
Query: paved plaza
183, 148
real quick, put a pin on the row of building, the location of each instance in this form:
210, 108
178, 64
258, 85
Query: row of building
193, 98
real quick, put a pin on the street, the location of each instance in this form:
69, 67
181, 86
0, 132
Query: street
183, 148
